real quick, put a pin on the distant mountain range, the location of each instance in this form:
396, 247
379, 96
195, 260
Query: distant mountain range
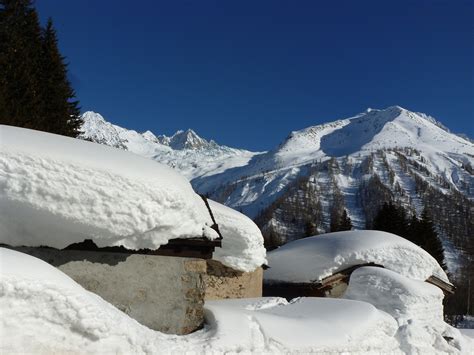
355, 164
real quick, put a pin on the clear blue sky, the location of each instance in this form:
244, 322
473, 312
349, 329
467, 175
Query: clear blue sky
246, 73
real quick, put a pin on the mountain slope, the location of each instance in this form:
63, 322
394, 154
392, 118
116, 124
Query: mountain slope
192, 155
258, 183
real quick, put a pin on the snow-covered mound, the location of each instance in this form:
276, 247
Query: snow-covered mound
417, 306
241, 249
319, 325
56, 191
191, 155
44, 311
397, 295
314, 258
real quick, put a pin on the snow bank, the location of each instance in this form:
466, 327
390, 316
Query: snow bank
44, 311
313, 259
397, 295
242, 243
56, 191
307, 325
416, 305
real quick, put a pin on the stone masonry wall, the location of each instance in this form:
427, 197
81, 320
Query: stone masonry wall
224, 282
163, 293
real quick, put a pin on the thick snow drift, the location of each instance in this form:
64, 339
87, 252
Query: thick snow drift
44, 311
416, 305
397, 295
242, 244
56, 191
312, 259
307, 325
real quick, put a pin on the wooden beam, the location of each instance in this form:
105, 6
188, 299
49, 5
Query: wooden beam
445, 286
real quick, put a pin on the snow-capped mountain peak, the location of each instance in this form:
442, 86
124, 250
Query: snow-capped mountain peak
97, 129
187, 140
149, 136
374, 129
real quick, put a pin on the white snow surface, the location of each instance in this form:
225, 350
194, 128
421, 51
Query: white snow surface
314, 258
417, 307
44, 311
397, 295
242, 243
56, 191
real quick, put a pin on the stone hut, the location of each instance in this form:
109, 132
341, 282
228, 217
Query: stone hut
125, 227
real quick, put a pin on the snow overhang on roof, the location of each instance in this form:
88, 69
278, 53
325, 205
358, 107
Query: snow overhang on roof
313, 259
57, 190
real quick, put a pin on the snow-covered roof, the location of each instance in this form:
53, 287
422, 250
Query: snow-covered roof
56, 191
312, 259
241, 249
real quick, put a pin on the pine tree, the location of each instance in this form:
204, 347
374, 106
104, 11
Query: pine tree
428, 238
340, 221
59, 111
392, 219
34, 90
345, 222
20, 59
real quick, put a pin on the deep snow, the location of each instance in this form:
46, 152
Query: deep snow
56, 191
44, 311
314, 258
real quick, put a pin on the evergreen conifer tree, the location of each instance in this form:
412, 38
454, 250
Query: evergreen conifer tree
59, 111
340, 221
392, 219
20, 59
34, 90
345, 222
428, 238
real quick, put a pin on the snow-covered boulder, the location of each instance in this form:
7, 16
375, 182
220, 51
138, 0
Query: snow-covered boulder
312, 259
56, 191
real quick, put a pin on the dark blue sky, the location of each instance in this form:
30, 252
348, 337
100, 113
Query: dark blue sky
246, 73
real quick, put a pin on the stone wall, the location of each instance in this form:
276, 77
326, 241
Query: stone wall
164, 293
224, 282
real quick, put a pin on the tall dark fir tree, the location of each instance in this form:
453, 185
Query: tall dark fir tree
60, 111
34, 90
20, 58
424, 234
